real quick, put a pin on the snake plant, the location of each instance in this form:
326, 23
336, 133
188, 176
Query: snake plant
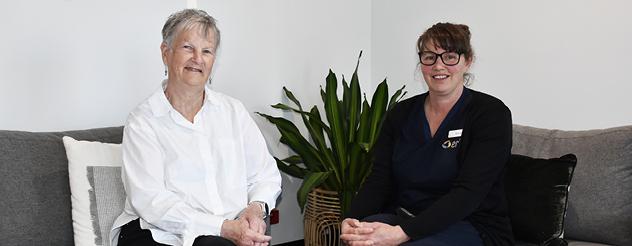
339, 155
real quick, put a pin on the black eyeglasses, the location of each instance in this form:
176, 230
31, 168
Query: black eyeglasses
429, 58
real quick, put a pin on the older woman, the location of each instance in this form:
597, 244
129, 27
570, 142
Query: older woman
437, 172
196, 168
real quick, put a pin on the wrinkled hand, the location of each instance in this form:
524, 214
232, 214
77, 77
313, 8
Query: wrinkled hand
254, 216
381, 235
352, 231
239, 232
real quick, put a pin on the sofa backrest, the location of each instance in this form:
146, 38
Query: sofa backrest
34, 187
600, 197
35, 193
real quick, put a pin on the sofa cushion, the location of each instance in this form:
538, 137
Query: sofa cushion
600, 201
537, 192
34, 185
553, 242
582, 243
570, 243
83, 156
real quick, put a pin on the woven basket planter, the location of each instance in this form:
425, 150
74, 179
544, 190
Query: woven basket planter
322, 218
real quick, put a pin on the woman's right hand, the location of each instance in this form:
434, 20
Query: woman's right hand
238, 231
352, 230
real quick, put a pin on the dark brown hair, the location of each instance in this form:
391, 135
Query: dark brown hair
448, 36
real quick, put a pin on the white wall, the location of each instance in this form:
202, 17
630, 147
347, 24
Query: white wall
77, 64
82, 64
557, 64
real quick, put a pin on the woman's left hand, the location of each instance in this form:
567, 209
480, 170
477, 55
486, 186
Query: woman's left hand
382, 235
254, 216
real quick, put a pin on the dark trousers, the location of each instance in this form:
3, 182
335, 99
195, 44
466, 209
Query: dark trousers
461, 233
132, 235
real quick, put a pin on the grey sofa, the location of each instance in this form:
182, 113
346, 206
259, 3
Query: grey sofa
34, 186
599, 208
35, 193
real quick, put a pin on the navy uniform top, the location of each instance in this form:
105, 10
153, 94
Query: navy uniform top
425, 166
442, 179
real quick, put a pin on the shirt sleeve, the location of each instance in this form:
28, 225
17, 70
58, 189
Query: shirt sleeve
143, 179
264, 179
484, 159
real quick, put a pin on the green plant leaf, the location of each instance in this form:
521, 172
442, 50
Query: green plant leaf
292, 98
323, 94
295, 159
396, 97
355, 157
284, 107
345, 90
353, 114
364, 129
291, 169
316, 121
311, 181
345, 198
291, 137
337, 137
303, 113
343, 106
315, 129
364, 146
378, 110
354, 104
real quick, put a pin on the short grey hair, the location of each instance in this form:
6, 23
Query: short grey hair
186, 19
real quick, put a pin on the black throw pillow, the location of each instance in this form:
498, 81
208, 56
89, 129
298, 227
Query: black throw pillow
537, 195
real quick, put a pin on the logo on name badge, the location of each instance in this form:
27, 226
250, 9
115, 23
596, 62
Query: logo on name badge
455, 133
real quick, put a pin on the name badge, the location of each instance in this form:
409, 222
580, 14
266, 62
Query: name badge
455, 133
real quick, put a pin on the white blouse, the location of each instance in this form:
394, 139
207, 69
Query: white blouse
184, 179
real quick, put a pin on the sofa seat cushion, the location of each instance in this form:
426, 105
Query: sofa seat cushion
600, 201
34, 185
570, 243
582, 243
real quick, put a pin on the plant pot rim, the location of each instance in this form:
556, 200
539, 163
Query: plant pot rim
324, 191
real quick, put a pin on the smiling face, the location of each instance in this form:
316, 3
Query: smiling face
443, 80
190, 57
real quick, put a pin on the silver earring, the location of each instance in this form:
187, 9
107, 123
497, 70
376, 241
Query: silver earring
165, 70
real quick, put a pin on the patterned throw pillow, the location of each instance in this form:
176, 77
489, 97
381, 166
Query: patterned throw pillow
85, 160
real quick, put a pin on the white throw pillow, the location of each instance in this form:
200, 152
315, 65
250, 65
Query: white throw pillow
81, 155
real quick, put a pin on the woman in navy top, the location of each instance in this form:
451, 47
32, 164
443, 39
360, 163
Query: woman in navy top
438, 164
